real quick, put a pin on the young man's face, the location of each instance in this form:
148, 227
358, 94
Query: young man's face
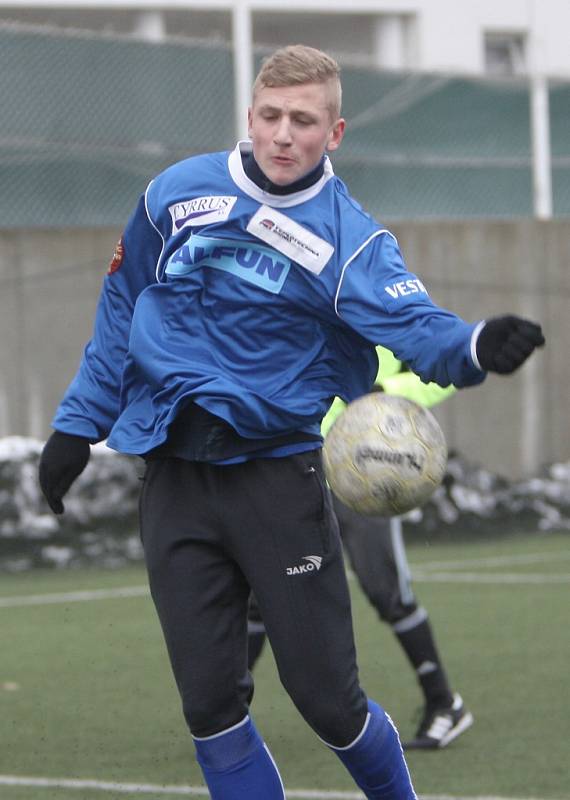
291, 127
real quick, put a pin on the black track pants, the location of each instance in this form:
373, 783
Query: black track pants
210, 534
375, 547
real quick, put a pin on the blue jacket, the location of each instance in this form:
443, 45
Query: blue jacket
260, 308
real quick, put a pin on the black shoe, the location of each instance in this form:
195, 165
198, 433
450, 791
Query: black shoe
440, 726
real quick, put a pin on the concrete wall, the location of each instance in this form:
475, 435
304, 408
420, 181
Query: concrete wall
480, 269
50, 281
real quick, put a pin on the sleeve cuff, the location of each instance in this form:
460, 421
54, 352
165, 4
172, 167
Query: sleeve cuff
474, 336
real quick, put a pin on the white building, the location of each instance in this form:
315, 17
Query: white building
489, 36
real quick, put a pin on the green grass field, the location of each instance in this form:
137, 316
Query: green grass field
86, 693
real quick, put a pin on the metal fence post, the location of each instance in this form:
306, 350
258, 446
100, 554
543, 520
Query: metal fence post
243, 63
541, 155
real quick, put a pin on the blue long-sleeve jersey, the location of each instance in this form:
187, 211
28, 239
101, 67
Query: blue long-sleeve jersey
258, 307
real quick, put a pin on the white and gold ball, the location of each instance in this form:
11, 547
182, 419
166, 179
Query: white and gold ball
384, 455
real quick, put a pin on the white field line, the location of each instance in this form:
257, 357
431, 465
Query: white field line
436, 571
197, 791
498, 561
421, 573
72, 597
497, 577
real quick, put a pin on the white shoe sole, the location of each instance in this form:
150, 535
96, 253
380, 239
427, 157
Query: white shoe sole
465, 722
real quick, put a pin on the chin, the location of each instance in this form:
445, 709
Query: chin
282, 178
283, 181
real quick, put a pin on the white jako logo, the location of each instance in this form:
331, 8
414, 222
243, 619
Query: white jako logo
314, 564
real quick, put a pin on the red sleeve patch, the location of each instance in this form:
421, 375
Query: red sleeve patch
118, 256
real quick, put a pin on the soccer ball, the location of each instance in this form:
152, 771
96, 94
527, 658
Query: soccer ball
384, 455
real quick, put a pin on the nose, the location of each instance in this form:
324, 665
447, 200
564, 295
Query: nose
283, 132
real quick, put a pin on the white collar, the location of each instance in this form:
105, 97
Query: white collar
239, 177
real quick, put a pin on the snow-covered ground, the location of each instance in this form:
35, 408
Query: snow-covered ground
100, 523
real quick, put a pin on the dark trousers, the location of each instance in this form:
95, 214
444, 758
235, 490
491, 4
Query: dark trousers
375, 547
211, 534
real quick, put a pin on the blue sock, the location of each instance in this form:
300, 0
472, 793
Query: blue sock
376, 760
238, 766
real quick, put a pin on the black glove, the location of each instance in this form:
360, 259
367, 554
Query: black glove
63, 459
506, 342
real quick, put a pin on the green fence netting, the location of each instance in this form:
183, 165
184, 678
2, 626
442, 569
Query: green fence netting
87, 119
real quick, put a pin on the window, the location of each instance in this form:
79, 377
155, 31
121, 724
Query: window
505, 53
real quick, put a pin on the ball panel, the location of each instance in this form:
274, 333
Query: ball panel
384, 455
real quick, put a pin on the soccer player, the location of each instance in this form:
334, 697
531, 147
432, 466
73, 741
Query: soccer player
248, 290
375, 547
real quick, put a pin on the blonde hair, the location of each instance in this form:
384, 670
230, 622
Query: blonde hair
297, 64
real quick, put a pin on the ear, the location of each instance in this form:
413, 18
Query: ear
335, 135
249, 121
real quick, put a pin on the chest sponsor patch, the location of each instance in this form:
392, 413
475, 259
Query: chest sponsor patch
254, 263
290, 238
200, 211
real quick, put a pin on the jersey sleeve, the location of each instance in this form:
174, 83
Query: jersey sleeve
91, 403
379, 298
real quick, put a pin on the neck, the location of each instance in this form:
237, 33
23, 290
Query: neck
256, 174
